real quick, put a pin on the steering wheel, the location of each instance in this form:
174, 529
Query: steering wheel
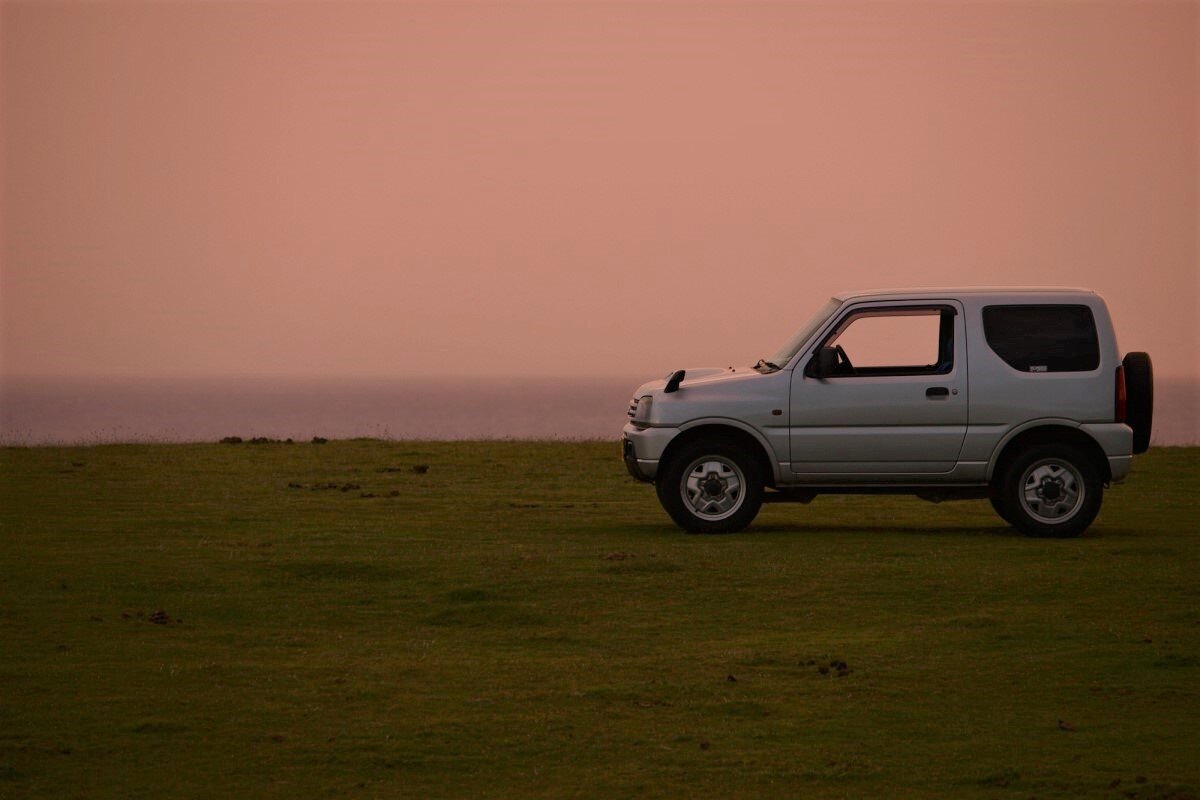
845, 359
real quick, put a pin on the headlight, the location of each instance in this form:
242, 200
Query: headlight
641, 415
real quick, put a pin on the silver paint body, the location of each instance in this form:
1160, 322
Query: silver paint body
884, 430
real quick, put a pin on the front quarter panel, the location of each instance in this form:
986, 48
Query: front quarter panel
752, 398
749, 401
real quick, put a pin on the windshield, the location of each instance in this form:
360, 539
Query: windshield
785, 353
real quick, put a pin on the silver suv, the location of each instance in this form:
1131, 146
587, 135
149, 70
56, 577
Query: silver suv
1019, 396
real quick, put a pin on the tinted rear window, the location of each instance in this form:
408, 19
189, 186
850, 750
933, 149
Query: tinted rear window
1043, 338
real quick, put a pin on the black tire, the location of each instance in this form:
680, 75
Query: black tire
728, 461
1036, 487
1000, 509
1139, 398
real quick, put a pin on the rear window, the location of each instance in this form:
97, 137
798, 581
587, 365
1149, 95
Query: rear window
1049, 338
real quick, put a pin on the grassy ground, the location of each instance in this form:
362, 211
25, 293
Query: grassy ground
522, 621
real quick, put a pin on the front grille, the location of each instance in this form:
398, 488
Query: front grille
633, 404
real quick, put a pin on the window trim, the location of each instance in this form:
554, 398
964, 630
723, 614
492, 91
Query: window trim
945, 364
987, 340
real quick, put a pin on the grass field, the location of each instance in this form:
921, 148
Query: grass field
521, 620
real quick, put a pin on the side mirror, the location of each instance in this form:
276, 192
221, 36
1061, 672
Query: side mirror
823, 363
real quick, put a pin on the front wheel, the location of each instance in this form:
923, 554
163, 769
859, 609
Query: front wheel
712, 487
1051, 490
1000, 509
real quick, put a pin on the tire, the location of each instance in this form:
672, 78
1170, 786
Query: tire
1139, 394
712, 486
999, 508
1050, 490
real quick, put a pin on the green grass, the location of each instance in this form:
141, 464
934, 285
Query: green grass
523, 621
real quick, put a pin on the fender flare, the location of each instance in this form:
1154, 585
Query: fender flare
1028, 425
730, 422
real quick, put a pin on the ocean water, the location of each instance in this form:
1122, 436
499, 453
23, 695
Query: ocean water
141, 410
110, 410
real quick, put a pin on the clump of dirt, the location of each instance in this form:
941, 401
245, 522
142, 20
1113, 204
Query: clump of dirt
326, 486
650, 703
392, 493
836, 666
420, 469
161, 617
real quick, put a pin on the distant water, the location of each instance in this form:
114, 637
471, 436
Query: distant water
111, 410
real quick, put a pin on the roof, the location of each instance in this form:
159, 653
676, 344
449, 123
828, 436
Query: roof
951, 291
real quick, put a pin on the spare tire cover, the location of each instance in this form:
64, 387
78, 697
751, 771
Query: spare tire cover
1139, 393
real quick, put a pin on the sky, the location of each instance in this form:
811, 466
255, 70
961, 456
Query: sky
201, 189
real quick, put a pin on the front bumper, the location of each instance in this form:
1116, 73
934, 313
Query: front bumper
631, 463
642, 449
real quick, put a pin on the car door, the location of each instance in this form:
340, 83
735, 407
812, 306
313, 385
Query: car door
896, 405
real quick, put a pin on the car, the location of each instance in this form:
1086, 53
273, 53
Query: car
1015, 395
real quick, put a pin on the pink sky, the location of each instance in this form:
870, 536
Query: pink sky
390, 189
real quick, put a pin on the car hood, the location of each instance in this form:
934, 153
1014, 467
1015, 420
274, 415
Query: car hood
701, 376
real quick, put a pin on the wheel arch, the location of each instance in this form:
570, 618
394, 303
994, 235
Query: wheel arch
730, 430
1047, 432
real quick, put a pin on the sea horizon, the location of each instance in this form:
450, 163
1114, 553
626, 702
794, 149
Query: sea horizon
109, 410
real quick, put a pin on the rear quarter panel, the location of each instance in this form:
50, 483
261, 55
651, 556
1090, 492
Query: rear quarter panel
1004, 399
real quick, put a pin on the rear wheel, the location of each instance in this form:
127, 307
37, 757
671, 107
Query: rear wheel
712, 486
1050, 490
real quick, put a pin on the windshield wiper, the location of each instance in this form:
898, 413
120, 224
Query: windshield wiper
767, 366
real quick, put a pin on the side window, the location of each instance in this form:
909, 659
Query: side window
1043, 338
895, 341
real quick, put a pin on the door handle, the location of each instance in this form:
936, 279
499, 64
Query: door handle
937, 391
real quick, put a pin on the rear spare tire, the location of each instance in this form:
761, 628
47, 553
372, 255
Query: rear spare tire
1139, 394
